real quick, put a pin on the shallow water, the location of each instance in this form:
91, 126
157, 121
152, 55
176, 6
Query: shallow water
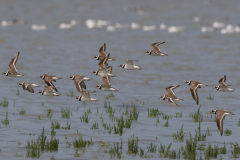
193, 55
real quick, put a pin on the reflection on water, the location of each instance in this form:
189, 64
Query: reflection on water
62, 38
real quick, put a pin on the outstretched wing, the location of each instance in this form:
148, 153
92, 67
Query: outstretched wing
170, 90
172, 101
193, 91
12, 64
222, 81
102, 50
156, 48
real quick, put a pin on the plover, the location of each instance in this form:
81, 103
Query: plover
103, 54
102, 71
106, 86
170, 95
48, 91
79, 82
28, 86
130, 66
12, 68
155, 50
219, 120
193, 89
85, 97
223, 86
48, 80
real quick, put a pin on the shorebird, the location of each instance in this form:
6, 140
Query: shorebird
106, 86
103, 54
12, 68
79, 82
219, 120
85, 97
193, 89
28, 86
102, 71
223, 86
155, 50
170, 95
48, 80
48, 91
130, 66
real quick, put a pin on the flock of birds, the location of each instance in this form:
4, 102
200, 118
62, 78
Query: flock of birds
105, 71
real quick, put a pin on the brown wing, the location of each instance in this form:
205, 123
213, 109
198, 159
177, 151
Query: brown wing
79, 86
83, 85
102, 59
219, 121
106, 81
50, 83
30, 88
102, 51
170, 91
193, 90
222, 81
172, 101
155, 46
12, 64
110, 71
49, 88
102, 63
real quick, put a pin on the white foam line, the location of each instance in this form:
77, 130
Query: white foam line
110, 28
135, 25
175, 29
149, 28
36, 27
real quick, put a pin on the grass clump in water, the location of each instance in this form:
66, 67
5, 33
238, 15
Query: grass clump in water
95, 126
66, 113
201, 136
55, 125
22, 112
134, 114
153, 113
70, 94
236, 150
85, 118
119, 128
110, 95
189, 151
223, 150
165, 152
179, 136
36, 146
5, 121
178, 114
109, 109
166, 124
18, 155
197, 116
18, 92
49, 113
116, 150
68, 127
4, 104
211, 152
210, 97
152, 148
228, 132
81, 143
132, 145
